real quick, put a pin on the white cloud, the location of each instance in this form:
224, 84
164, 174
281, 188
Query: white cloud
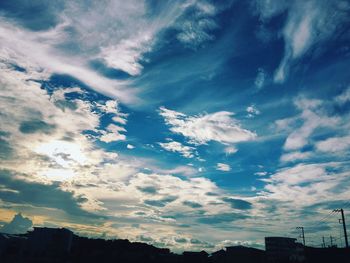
130, 146
334, 145
312, 117
110, 106
223, 167
126, 55
200, 129
230, 150
47, 131
121, 33
261, 173
23, 47
195, 31
308, 23
119, 36
112, 134
185, 151
252, 111
295, 156
306, 184
184, 170
108, 182
344, 97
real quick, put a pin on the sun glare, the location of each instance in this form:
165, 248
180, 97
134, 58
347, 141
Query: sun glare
63, 153
58, 174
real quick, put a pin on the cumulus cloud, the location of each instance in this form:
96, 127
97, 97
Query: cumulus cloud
55, 145
201, 129
173, 146
18, 225
295, 156
112, 134
80, 179
304, 184
334, 145
223, 167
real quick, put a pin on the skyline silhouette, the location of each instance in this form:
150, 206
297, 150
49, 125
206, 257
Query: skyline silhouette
43, 244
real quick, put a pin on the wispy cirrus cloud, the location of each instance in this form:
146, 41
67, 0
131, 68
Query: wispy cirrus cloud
303, 30
196, 24
121, 34
313, 115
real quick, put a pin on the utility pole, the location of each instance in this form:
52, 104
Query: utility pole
323, 243
344, 225
302, 233
331, 238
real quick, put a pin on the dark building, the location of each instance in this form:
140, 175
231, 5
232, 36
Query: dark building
246, 254
238, 254
326, 255
283, 249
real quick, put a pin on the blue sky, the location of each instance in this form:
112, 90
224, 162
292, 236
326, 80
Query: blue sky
191, 125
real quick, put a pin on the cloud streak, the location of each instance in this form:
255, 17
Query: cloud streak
201, 129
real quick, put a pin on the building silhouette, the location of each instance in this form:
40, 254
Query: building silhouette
62, 246
283, 249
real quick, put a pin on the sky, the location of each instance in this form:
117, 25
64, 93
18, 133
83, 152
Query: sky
190, 124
